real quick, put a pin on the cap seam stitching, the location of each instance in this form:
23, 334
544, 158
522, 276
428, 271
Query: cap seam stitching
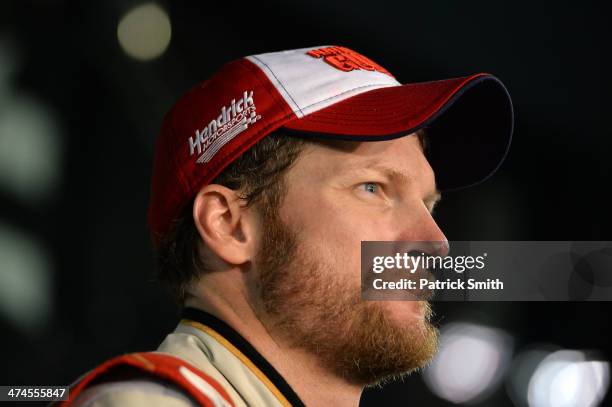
346, 91
278, 80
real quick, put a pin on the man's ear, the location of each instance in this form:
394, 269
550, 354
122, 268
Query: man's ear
225, 224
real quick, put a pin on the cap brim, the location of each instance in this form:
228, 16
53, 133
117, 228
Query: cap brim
469, 123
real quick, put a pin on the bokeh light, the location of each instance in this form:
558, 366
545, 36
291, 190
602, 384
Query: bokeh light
30, 143
144, 32
470, 364
25, 280
566, 378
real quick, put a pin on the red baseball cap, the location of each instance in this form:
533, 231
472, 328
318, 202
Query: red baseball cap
325, 92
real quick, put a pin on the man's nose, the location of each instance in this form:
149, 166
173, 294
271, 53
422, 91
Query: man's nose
425, 229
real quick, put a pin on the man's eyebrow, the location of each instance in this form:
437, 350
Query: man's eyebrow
389, 172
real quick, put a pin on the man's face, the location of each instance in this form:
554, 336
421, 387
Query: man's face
338, 195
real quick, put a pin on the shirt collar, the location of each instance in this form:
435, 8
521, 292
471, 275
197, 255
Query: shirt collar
245, 351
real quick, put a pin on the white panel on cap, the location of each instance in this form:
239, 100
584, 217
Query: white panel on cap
309, 84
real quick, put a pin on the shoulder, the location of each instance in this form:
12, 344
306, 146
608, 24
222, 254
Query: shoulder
147, 379
142, 392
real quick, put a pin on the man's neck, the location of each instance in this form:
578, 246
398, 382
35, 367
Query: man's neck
313, 383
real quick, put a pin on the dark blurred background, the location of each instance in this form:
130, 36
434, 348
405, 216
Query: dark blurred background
84, 86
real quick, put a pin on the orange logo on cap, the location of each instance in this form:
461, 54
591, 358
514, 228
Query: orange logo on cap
346, 59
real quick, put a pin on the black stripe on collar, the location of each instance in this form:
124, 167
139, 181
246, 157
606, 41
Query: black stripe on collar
247, 349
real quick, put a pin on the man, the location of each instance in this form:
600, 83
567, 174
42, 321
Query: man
266, 179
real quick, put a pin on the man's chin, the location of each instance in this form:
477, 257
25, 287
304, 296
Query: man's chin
394, 339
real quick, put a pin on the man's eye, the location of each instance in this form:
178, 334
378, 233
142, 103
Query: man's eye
370, 187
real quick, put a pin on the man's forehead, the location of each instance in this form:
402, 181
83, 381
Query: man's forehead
400, 159
367, 148
400, 155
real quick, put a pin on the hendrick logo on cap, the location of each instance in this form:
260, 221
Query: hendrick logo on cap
232, 120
